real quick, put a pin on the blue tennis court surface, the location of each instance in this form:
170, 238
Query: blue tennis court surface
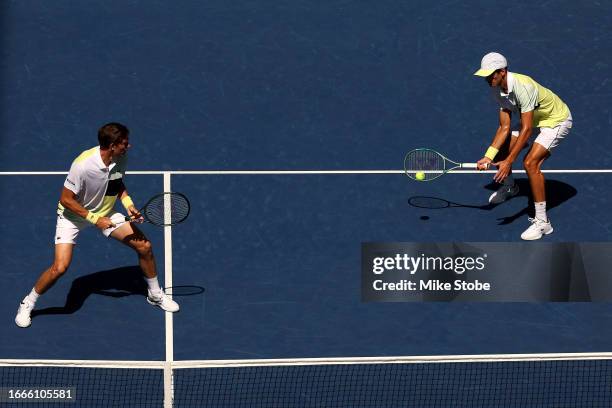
268, 265
278, 257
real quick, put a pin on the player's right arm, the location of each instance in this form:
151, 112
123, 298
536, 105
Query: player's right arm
505, 117
69, 201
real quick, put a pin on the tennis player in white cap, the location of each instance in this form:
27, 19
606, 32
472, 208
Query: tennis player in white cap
536, 107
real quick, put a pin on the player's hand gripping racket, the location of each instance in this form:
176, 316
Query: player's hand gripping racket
164, 209
427, 165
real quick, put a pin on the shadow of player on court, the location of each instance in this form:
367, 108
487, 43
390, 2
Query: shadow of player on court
557, 193
117, 283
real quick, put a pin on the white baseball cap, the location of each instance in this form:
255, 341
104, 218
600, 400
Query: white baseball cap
490, 63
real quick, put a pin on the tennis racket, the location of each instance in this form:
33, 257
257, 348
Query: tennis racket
428, 165
165, 209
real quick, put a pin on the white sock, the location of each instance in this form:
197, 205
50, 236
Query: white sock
33, 296
540, 211
509, 181
153, 284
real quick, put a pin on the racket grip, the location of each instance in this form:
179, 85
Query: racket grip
469, 165
124, 220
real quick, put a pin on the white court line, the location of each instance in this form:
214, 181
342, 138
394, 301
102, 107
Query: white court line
459, 358
298, 172
168, 376
393, 360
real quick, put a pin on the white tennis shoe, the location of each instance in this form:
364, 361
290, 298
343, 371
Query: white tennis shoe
163, 301
24, 318
537, 229
503, 193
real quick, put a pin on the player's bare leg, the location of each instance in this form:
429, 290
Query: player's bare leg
61, 262
130, 235
533, 163
540, 224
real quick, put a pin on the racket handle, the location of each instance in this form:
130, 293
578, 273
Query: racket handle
124, 220
469, 165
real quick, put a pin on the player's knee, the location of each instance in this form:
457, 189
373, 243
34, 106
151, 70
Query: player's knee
144, 248
531, 165
58, 269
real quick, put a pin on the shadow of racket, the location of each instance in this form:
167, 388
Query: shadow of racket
185, 290
437, 203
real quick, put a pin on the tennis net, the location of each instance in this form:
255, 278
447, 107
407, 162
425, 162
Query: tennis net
506, 381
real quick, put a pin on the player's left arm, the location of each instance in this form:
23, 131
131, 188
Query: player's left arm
505, 166
127, 202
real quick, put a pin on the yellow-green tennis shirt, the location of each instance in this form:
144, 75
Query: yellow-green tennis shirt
95, 185
525, 95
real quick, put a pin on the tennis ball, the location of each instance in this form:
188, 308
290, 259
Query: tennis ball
419, 175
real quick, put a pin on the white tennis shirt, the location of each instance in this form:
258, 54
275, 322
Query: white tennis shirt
525, 95
95, 185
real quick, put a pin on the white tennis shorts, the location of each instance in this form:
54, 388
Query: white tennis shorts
551, 137
67, 229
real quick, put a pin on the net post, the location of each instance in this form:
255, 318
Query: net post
168, 375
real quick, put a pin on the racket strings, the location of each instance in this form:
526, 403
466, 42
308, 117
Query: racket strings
167, 209
428, 162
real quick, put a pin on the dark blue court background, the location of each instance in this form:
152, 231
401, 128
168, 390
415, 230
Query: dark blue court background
289, 86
